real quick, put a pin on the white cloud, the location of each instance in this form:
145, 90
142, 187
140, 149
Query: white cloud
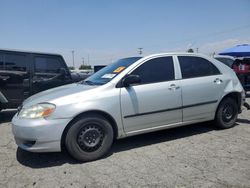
221, 45
103, 56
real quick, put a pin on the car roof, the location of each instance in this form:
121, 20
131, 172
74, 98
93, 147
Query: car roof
176, 53
24, 51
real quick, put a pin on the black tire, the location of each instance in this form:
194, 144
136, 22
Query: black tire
226, 114
89, 138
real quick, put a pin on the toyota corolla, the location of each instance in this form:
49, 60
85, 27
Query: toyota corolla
129, 97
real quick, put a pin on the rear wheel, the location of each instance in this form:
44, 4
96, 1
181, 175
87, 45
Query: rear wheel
89, 138
227, 113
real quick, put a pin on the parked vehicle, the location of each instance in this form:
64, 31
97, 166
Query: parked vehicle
81, 74
98, 67
23, 74
227, 60
129, 97
241, 66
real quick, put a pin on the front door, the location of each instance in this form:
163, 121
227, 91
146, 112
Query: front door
156, 101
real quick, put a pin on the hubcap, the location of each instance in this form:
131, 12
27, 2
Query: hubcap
90, 137
228, 113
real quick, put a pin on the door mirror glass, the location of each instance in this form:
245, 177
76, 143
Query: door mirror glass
131, 79
62, 72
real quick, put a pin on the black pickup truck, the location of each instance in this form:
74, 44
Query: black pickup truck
23, 74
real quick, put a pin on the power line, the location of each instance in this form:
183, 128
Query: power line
107, 59
206, 35
225, 31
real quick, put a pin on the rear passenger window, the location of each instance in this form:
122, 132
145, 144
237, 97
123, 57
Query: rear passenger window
47, 65
13, 62
156, 70
192, 67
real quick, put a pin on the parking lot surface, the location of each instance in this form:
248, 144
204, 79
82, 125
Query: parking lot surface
193, 156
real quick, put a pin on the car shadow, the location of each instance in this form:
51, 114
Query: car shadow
44, 160
6, 116
246, 121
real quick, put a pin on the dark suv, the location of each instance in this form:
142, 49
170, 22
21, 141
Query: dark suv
25, 73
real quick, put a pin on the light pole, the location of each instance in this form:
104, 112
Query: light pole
73, 58
88, 59
83, 61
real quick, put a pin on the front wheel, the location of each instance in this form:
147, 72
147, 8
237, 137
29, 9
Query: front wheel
89, 138
226, 114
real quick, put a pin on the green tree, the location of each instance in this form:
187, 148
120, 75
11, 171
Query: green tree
84, 67
190, 50
71, 68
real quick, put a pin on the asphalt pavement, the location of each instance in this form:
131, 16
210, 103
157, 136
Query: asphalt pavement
197, 155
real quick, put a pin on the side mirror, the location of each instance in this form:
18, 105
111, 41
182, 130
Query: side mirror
62, 72
130, 80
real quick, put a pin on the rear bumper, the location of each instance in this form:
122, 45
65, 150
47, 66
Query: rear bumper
245, 81
39, 135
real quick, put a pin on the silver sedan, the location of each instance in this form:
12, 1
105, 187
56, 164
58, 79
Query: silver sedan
129, 97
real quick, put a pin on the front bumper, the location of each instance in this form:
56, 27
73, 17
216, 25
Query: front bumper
39, 135
246, 105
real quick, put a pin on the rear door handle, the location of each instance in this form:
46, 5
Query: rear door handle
173, 87
218, 81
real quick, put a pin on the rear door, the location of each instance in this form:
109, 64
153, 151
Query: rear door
14, 77
202, 86
47, 71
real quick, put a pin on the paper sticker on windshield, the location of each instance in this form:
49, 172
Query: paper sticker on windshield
119, 69
109, 76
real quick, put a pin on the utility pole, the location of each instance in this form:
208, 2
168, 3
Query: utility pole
197, 50
88, 59
73, 58
140, 51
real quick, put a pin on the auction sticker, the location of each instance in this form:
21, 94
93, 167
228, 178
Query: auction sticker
109, 76
119, 69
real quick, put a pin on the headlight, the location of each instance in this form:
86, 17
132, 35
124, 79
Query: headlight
37, 111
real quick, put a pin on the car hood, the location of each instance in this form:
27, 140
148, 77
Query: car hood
56, 93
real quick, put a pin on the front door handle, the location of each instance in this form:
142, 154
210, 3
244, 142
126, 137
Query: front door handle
173, 87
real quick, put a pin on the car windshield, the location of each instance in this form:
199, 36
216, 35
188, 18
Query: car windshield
109, 72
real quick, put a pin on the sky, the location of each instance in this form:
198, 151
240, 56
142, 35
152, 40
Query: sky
101, 32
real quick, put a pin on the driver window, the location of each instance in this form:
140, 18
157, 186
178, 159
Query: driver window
156, 70
47, 65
